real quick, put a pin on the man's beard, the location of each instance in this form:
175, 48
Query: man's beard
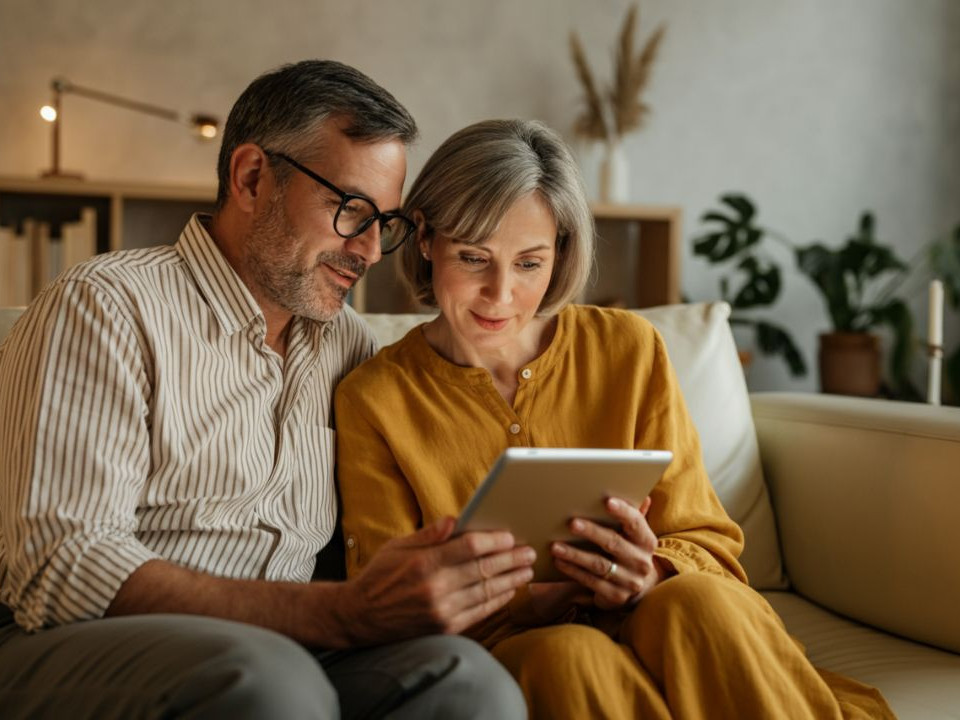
275, 261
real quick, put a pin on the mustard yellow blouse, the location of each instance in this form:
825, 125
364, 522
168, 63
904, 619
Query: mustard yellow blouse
416, 434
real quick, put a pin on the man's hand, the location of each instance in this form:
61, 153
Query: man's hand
428, 583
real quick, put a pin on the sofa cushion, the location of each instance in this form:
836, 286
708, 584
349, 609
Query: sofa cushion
704, 355
702, 350
919, 682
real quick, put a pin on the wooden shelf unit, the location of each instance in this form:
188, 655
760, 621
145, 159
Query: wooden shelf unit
638, 248
129, 214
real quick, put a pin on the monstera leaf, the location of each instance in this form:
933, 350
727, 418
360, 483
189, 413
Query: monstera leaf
732, 233
733, 236
774, 340
761, 287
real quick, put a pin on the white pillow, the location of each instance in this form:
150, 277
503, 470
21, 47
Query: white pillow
704, 355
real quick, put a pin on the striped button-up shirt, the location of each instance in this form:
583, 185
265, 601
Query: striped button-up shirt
143, 416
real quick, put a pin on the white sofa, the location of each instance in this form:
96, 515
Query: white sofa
847, 506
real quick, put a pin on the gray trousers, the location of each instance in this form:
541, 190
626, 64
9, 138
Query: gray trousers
180, 666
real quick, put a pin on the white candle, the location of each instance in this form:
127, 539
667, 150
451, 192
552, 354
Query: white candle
935, 318
934, 342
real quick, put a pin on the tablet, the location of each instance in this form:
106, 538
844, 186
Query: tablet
534, 492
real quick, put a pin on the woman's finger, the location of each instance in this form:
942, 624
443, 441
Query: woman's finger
612, 542
633, 520
612, 572
607, 593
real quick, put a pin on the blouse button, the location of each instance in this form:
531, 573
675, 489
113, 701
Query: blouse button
351, 542
515, 429
526, 373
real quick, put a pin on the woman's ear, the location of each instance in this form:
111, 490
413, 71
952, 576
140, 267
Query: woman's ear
423, 239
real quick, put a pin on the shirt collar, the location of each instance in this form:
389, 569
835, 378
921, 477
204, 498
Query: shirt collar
226, 294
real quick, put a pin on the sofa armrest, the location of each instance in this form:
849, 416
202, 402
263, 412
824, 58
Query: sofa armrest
866, 495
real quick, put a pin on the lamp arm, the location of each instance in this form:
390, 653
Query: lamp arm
65, 86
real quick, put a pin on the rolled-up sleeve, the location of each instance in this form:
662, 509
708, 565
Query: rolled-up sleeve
74, 455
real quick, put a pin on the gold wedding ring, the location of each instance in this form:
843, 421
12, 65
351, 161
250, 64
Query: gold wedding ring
611, 571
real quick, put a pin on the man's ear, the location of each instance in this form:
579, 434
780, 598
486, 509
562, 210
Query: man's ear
248, 176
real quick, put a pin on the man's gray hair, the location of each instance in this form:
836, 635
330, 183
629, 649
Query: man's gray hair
282, 109
473, 179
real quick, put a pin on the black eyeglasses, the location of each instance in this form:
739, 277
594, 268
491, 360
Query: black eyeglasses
357, 213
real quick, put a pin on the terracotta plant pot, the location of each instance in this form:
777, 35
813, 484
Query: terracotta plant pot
850, 363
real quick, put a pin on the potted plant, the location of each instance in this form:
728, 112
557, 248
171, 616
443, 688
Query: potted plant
849, 355
733, 238
846, 277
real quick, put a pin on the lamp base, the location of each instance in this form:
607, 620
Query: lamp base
60, 175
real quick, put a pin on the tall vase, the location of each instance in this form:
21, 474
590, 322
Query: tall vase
614, 174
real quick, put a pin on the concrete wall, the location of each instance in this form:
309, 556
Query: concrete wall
817, 109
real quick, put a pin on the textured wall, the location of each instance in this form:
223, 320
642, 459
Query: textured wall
818, 109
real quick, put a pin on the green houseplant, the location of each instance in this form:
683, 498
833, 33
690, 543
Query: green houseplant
846, 277
752, 276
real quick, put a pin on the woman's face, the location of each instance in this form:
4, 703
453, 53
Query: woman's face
489, 292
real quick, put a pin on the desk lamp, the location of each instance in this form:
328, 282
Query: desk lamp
205, 126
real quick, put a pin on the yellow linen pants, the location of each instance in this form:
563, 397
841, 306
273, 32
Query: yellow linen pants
697, 646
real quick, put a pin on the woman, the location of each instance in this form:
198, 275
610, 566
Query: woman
662, 624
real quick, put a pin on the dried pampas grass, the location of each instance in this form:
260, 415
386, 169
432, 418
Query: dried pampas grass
625, 106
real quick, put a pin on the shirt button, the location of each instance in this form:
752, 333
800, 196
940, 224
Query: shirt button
526, 373
351, 542
514, 429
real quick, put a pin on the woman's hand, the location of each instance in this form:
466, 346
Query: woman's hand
628, 570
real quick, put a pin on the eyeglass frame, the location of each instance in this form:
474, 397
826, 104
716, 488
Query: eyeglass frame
381, 217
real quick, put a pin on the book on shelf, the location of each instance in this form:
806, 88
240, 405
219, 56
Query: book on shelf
16, 272
41, 257
79, 239
29, 261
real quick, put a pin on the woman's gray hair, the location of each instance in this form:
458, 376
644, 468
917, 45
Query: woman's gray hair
473, 179
282, 109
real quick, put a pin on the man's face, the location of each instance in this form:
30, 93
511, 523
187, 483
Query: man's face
294, 256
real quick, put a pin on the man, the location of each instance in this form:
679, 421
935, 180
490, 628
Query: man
166, 456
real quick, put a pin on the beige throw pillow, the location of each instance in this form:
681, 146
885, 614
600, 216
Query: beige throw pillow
703, 353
